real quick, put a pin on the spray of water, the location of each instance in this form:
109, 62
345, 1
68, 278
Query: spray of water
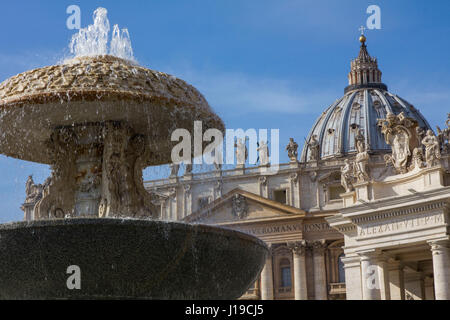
93, 40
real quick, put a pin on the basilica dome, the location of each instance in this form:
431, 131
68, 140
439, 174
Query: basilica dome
366, 99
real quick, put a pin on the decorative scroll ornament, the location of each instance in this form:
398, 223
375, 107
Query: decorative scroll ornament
400, 132
298, 247
239, 206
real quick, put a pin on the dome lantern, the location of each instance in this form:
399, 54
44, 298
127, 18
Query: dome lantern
364, 72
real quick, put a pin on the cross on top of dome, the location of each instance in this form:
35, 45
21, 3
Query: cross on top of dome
362, 38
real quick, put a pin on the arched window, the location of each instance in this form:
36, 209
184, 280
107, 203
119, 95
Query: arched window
341, 271
285, 273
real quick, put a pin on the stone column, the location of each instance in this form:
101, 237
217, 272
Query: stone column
263, 189
300, 286
172, 201
383, 275
320, 275
295, 195
187, 200
267, 279
352, 267
441, 268
370, 277
396, 281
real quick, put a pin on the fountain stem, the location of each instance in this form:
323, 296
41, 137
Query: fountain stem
96, 171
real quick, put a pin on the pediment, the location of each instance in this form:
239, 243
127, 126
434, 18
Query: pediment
242, 206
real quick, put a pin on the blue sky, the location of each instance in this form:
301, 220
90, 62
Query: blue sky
259, 63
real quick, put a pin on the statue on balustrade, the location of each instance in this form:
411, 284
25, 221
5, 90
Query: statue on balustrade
432, 149
314, 147
292, 148
263, 150
347, 176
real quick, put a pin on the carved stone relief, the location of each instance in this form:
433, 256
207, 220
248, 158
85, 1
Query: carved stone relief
401, 133
103, 177
239, 206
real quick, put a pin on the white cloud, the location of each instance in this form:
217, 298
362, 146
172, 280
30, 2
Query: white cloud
241, 93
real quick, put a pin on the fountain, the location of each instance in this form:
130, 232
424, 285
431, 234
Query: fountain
99, 120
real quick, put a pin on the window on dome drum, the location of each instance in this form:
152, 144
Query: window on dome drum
285, 274
280, 196
341, 271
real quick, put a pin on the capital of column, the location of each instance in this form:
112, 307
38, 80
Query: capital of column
440, 246
298, 247
319, 246
351, 261
270, 247
372, 255
395, 265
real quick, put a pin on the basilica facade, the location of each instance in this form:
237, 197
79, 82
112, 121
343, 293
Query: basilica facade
362, 212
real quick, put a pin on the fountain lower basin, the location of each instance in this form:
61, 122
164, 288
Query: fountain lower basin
126, 258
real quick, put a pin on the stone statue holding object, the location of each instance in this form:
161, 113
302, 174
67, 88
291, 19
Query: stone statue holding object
313, 148
292, 148
241, 153
263, 150
347, 176
432, 149
33, 191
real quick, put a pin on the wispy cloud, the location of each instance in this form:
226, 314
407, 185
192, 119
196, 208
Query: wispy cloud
11, 64
431, 97
244, 93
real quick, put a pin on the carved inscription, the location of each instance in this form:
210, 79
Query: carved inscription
287, 228
410, 223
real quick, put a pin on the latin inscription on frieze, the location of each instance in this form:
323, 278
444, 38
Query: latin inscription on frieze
409, 223
286, 228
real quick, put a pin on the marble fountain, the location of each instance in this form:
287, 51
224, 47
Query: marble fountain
98, 121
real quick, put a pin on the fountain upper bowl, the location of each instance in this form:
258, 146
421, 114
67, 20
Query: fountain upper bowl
95, 90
